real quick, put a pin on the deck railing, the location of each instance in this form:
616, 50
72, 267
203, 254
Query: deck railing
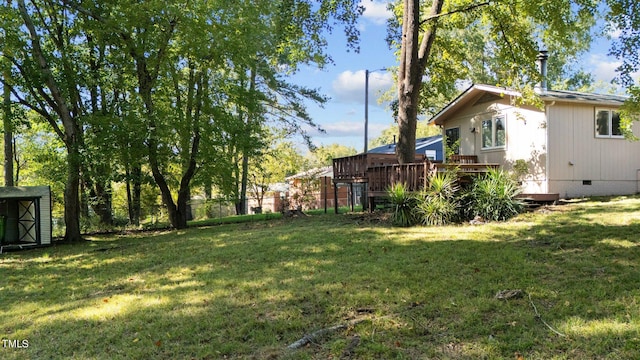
380, 171
415, 176
463, 159
354, 168
468, 168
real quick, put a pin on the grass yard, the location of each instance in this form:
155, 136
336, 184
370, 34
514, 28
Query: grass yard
247, 291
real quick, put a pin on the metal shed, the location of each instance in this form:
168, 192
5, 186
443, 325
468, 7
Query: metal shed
25, 217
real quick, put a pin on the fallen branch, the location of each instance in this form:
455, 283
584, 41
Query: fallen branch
535, 309
309, 338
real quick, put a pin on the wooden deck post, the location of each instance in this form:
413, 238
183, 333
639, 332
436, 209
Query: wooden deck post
351, 196
335, 197
324, 192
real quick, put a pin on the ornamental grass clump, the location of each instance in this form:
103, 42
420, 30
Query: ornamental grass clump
404, 204
493, 196
439, 202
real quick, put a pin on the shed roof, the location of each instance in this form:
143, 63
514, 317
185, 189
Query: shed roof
313, 173
23, 192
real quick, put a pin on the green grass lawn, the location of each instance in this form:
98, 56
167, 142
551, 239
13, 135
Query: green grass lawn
247, 291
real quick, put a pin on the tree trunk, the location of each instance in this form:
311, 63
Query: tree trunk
243, 184
72, 135
8, 133
207, 197
134, 175
102, 203
72, 196
189, 209
413, 61
84, 200
244, 176
177, 210
129, 195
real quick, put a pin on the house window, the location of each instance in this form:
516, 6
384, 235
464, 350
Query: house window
494, 134
608, 124
430, 154
453, 139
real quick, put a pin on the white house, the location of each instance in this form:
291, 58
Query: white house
573, 146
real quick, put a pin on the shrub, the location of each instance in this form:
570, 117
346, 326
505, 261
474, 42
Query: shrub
404, 204
493, 196
439, 202
434, 210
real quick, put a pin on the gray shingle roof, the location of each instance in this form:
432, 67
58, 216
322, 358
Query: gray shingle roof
474, 91
575, 96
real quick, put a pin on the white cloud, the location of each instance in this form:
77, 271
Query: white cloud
349, 86
376, 11
351, 128
615, 33
344, 129
603, 68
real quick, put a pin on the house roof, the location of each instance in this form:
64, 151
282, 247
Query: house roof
422, 145
313, 173
481, 92
585, 98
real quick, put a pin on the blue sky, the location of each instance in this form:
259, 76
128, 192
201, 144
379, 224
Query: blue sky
344, 80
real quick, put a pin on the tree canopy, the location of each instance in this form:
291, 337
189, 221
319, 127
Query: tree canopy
163, 90
184, 93
441, 43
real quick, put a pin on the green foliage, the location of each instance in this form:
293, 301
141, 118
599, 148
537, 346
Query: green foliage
492, 196
439, 204
623, 18
630, 113
451, 149
404, 205
324, 155
496, 43
187, 86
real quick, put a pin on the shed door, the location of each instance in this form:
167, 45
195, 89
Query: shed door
27, 231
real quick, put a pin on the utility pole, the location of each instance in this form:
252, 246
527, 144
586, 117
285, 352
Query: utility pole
366, 106
365, 202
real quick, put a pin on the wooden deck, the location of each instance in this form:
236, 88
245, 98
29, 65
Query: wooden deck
380, 171
355, 168
415, 176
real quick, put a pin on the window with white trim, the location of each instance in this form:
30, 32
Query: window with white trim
494, 132
608, 124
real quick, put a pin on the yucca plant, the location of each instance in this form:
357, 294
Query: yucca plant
404, 204
438, 204
493, 196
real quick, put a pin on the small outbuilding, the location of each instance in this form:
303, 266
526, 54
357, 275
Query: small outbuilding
25, 217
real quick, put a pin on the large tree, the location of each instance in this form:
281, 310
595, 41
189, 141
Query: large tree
171, 77
180, 48
43, 43
444, 42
